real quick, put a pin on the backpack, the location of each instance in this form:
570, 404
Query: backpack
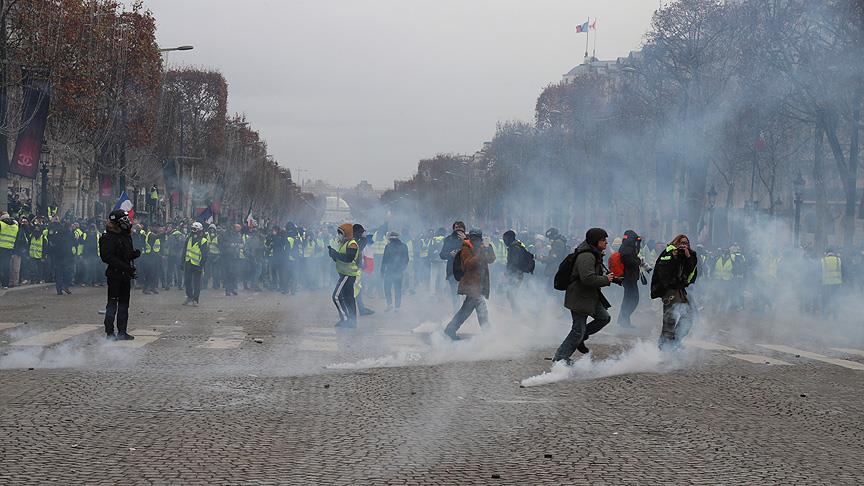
616, 264
458, 272
526, 261
563, 277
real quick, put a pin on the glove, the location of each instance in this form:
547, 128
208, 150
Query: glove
331, 252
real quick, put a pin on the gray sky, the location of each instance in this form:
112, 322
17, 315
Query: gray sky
363, 89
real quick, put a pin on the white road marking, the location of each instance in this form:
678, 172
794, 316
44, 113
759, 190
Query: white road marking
225, 337
318, 345
143, 337
9, 325
54, 337
852, 365
708, 346
856, 352
758, 359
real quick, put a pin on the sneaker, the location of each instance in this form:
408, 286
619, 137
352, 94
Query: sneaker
567, 361
194, 303
146, 292
110, 336
187, 301
68, 292
366, 312
122, 336
582, 348
154, 291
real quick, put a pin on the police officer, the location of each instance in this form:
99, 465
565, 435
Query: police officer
117, 251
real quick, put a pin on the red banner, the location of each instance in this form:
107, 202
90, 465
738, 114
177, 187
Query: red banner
34, 116
105, 186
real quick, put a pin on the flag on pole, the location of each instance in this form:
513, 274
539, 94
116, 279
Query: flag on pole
125, 204
586, 27
250, 221
205, 216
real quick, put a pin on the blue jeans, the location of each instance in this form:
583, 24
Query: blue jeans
581, 330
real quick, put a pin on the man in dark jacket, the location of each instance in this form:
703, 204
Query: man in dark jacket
475, 257
393, 265
116, 250
557, 253
676, 268
360, 237
513, 274
61, 244
450, 246
629, 250
583, 296
231, 242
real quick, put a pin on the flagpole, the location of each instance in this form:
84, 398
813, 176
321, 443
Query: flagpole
594, 55
587, 36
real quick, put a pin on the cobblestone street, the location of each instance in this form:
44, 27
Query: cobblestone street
260, 389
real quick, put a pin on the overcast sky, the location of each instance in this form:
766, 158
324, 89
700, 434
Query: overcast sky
363, 89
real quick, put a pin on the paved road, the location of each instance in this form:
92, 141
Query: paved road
196, 400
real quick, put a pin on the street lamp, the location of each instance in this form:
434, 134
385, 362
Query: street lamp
712, 202
178, 48
43, 196
798, 184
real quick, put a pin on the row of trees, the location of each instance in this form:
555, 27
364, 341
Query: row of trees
728, 99
116, 115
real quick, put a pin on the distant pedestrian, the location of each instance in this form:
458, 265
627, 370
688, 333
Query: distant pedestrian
393, 265
472, 261
345, 259
194, 257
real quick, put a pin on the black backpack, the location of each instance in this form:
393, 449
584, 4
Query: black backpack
458, 272
563, 277
526, 260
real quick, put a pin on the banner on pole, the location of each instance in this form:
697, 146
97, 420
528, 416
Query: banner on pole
34, 117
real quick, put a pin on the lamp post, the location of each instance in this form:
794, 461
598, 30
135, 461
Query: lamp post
798, 184
43, 193
712, 202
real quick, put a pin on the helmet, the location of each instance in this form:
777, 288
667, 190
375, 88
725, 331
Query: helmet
121, 218
196, 226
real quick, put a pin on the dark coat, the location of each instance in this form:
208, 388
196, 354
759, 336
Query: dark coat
475, 264
395, 258
588, 277
60, 242
557, 253
117, 251
673, 271
450, 244
630, 257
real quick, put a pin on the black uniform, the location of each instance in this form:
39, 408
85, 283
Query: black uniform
117, 251
673, 273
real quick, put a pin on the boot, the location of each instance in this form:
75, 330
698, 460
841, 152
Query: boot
123, 336
582, 348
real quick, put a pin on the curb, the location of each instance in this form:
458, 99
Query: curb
25, 287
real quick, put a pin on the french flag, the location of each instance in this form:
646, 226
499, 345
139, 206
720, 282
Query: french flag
125, 204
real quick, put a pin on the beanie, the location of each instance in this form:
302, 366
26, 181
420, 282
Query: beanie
509, 236
347, 230
594, 235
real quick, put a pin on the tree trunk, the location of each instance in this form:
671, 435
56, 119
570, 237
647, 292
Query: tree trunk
819, 182
847, 170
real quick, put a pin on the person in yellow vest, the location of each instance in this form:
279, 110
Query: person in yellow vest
80, 237
155, 246
214, 267
8, 237
675, 270
36, 271
832, 281
345, 260
195, 254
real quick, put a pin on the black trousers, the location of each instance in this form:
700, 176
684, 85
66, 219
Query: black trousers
629, 303
118, 305
343, 297
5, 262
229, 269
192, 280
677, 317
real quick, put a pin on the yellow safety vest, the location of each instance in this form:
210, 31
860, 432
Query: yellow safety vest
243, 239
832, 270
156, 246
8, 235
351, 268
193, 251
424, 247
213, 247
36, 246
309, 249
723, 269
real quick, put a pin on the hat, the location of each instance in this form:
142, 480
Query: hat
358, 229
197, 226
509, 235
475, 234
594, 235
347, 230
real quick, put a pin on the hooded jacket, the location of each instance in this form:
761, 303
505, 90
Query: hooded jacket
395, 258
475, 264
117, 251
629, 251
588, 277
451, 243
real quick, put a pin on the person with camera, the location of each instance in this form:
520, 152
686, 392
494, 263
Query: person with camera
471, 270
583, 295
675, 270
117, 251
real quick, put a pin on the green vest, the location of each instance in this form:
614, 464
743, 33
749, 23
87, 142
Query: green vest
351, 268
8, 235
723, 269
193, 251
832, 270
213, 248
36, 245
